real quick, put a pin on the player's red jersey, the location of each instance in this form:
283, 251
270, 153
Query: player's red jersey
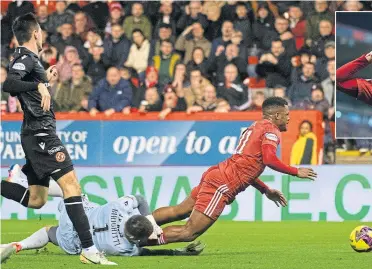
221, 183
242, 168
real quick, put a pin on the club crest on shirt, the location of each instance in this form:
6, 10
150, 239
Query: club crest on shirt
60, 156
272, 137
19, 66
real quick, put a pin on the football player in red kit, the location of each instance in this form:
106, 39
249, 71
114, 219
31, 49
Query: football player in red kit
356, 87
221, 183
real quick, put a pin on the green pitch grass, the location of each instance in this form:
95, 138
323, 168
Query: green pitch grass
287, 245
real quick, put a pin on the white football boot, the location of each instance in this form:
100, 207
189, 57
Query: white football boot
90, 257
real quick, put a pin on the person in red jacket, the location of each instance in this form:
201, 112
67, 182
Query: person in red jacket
221, 183
359, 88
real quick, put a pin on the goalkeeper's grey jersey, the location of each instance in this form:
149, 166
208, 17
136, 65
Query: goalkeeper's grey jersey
107, 226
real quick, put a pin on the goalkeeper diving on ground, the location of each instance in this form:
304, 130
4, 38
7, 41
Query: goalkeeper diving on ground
113, 227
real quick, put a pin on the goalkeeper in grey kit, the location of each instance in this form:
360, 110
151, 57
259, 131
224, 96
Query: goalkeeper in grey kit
112, 226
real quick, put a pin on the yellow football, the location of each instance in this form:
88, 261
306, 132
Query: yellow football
361, 239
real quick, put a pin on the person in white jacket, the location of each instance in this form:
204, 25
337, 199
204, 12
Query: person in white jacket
139, 53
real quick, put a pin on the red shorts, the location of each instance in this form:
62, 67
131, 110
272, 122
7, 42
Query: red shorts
210, 194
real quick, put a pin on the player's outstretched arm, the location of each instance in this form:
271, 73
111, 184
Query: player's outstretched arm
271, 160
347, 71
344, 75
274, 195
192, 249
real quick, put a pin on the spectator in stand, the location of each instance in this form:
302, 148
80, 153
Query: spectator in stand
165, 33
4, 95
325, 31
280, 91
275, 65
15, 9
193, 14
312, 25
281, 31
172, 102
116, 17
7, 50
264, 22
151, 82
198, 40
195, 92
231, 56
221, 42
207, 103
213, 13
112, 94
322, 62
152, 79
181, 79
166, 16
138, 53
243, 24
199, 62
166, 62
137, 21
96, 66
297, 24
72, 95
304, 150
318, 101
116, 47
59, 17
42, 16
98, 11
228, 11
233, 90
298, 62
65, 63
301, 88
82, 24
48, 57
352, 6
257, 101
328, 86
151, 102
73, 6
93, 39
237, 39
49, 53
67, 38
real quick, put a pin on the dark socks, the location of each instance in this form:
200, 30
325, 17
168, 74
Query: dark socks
15, 192
79, 219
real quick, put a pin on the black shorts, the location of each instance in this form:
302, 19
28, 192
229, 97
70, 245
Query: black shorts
45, 155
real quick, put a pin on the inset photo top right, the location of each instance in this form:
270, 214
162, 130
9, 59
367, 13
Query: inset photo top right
353, 75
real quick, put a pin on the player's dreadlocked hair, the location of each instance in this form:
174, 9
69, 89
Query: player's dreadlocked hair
138, 227
272, 102
23, 26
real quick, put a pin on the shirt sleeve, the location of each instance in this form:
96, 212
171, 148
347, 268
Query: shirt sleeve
18, 70
271, 137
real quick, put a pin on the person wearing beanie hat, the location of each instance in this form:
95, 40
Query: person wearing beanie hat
116, 17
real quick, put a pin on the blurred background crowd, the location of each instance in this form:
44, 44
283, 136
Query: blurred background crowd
165, 56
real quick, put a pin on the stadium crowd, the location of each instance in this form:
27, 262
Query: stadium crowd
193, 56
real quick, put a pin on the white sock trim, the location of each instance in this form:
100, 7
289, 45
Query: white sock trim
23, 197
75, 203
